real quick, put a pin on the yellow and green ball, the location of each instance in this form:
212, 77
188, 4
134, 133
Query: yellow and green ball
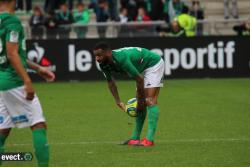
131, 107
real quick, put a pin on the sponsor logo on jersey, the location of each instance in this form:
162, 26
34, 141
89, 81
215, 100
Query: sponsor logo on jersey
20, 119
1, 119
3, 59
14, 36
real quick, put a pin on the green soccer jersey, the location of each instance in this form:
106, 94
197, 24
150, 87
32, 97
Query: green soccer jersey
130, 60
11, 30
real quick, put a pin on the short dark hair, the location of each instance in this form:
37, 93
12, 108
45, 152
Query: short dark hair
63, 4
185, 9
80, 4
102, 45
123, 8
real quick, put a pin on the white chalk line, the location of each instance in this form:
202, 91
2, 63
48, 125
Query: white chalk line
208, 140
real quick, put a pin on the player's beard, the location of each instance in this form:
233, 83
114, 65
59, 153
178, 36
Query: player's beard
106, 61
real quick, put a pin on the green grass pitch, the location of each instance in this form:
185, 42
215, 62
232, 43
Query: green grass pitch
203, 123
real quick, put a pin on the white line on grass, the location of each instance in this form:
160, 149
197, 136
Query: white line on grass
157, 141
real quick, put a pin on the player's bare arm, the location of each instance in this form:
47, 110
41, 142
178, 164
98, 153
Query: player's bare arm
44, 72
13, 57
140, 93
113, 89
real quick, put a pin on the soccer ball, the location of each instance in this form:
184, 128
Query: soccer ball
131, 107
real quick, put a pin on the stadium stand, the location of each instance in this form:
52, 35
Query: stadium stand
214, 22
214, 10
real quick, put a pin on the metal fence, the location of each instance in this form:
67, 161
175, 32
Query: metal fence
130, 29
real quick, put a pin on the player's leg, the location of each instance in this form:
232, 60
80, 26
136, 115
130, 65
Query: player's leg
29, 114
39, 134
4, 133
151, 101
153, 78
153, 111
5, 124
139, 121
40, 142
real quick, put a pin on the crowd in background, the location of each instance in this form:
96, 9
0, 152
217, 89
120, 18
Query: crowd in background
54, 19
181, 17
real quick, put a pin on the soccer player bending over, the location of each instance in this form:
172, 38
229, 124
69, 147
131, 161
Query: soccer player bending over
147, 69
19, 106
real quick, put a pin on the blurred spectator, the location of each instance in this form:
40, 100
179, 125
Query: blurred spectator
131, 6
243, 29
50, 5
81, 17
36, 23
51, 25
141, 4
187, 22
155, 9
102, 15
142, 30
93, 5
198, 13
142, 15
123, 18
109, 5
113, 10
174, 30
71, 3
227, 9
28, 5
64, 18
172, 8
102, 12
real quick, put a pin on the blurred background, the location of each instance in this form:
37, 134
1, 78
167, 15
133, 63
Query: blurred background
196, 38
78, 19
203, 122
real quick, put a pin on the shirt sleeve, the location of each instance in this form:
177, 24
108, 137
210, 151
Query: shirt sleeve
130, 68
13, 33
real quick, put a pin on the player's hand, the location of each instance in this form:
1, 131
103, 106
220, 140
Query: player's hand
30, 93
48, 75
121, 105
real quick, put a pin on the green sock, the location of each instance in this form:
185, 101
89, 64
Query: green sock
139, 121
40, 142
2, 141
153, 115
